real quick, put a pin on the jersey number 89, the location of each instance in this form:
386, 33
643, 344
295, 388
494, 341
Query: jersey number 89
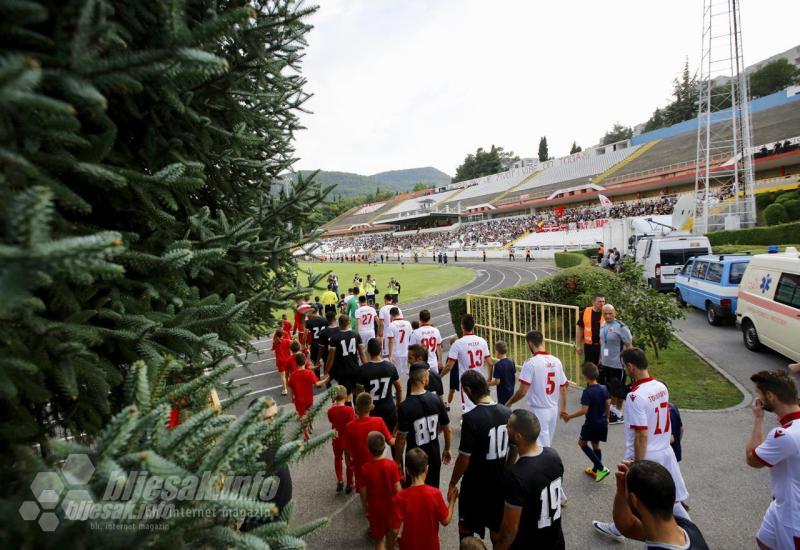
426, 429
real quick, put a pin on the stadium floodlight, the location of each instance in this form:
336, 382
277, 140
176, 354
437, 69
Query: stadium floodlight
724, 188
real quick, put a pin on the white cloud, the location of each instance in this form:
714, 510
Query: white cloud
400, 84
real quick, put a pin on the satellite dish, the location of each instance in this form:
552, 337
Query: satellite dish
683, 213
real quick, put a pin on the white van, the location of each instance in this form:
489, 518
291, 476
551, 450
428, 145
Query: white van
769, 303
664, 256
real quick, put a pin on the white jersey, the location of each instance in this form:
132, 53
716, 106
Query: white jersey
470, 351
544, 376
365, 319
401, 333
647, 408
781, 452
386, 320
429, 338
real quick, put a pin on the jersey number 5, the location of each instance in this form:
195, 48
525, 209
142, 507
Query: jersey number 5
550, 383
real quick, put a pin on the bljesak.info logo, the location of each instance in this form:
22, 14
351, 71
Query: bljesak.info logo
63, 494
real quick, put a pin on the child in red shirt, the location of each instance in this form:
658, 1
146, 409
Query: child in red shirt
357, 432
286, 325
340, 416
302, 383
381, 478
420, 508
282, 347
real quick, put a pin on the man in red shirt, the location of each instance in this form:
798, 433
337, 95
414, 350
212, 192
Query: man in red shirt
302, 383
340, 416
357, 432
381, 478
420, 509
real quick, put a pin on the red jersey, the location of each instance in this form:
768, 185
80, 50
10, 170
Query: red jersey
286, 325
379, 477
302, 383
357, 432
419, 509
283, 354
340, 416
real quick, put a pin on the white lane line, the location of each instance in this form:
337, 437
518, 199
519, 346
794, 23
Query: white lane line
253, 393
255, 375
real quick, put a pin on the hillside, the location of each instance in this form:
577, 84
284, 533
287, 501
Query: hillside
349, 184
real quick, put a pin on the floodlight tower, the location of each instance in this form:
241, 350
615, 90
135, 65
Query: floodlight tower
724, 148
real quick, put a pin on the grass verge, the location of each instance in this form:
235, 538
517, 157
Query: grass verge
752, 248
693, 384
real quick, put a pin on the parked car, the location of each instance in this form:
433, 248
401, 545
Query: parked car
711, 283
769, 302
663, 256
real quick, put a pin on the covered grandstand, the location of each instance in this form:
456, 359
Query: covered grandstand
651, 166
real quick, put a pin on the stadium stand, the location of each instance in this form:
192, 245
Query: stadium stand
642, 175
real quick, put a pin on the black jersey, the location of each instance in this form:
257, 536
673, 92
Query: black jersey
420, 418
325, 335
484, 438
696, 540
378, 380
316, 324
533, 483
345, 363
434, 384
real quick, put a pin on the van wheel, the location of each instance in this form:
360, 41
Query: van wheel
750, 336
711, 314
679, 298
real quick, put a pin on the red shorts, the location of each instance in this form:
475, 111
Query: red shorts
301, 408
378, 521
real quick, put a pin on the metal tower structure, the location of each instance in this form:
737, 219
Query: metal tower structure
724, 170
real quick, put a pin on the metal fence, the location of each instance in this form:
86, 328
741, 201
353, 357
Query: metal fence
510, 320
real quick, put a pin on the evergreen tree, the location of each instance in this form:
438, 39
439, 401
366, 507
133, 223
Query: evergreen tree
617, 133
773, 77
543, 154
484, 163
575, 148
143, 223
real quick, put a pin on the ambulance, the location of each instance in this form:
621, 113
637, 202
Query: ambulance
768, 309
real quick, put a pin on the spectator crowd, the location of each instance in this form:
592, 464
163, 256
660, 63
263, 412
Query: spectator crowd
497, 232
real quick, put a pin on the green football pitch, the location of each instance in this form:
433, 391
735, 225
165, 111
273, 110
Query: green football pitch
416, 280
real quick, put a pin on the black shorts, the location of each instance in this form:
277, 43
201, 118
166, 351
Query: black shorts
594, 432
314, 353
480, 507
591, 354
434, 468
348, 381
614, 380
455, 382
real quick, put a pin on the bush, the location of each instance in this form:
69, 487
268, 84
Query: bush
793, 209
765, 199
777, 234
787, 196
775, 214
571, 259
648, 312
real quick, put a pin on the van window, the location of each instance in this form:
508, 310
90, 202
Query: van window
714, 273
737, 271
700, 269
788, 291
679, 256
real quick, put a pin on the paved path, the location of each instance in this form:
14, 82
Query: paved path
727, 498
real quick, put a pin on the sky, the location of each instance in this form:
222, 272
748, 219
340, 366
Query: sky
408, 83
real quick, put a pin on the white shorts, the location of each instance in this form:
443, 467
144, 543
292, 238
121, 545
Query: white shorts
401, 362
776, 534
384, 347
666, 457
548, 420
366, 336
